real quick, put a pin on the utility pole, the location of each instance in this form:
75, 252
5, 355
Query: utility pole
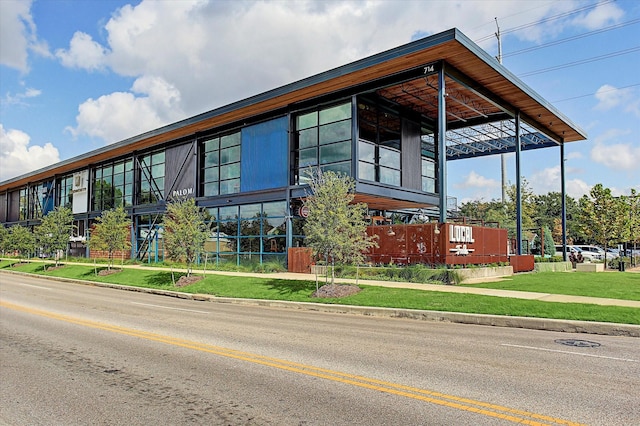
503, 157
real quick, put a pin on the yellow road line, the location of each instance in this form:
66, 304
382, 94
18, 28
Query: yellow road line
452, 401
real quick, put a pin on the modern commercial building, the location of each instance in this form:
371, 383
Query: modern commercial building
392, 121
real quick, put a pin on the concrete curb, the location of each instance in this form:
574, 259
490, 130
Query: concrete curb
549, 324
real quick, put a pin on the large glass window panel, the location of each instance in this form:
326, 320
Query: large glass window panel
428, 184
335, 152
229, 213
367, 152
336, 113
335, 132
230, 140
428, 168
308, 157
389, 176
118, 180
230, 171
339, 168
157, 158
308, 138
210, 189
230, 155
118, 168
157, 170
389, 158
230, 186
211, 158
211, 144
210, 174
367, 171
249, 211
307, 120
275, 209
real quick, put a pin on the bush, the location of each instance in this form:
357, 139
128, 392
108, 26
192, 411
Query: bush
413, 273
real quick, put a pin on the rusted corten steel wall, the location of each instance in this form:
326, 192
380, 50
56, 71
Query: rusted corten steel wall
434, 244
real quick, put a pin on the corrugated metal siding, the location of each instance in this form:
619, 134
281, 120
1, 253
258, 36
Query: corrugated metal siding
265, 156
411, 156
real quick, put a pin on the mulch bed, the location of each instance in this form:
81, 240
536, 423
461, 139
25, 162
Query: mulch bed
184, 281
335, 291
105, 272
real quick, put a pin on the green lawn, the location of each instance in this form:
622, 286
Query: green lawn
612, 285
275, 289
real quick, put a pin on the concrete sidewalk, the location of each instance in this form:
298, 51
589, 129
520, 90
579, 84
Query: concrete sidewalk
527, 295
548, 324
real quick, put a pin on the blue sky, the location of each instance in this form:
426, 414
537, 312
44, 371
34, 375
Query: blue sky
79, 75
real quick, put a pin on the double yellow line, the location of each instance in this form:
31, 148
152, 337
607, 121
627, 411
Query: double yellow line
452, 401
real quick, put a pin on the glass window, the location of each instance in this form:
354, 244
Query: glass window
113, 185
220, 165
250, 211
323, 135
307, 120
367, 171
379, 149
335, 152
336, 113
308, 138
230, 186
335, 132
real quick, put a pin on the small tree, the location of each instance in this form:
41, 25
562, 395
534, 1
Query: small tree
4, 239
54, 232
549, 245
111, 233
22, 240
602, 216
634, 218
185, 232
335, 228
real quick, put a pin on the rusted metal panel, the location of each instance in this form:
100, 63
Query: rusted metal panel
432, 243
522, 263
299, 260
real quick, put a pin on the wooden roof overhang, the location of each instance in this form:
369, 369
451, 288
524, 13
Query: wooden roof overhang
469, 67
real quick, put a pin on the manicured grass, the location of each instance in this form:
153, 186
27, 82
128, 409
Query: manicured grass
300, 291
612, 285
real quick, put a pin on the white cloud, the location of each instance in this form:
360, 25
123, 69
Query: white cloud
576, 188
474, 180
120, 115
83, 53
610, 97
19, 98
604, 14
619, 156
15, 23
612, 150
17, 156
18, 34
215, 53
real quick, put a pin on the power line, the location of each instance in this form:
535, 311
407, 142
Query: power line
581, 62
547, 19
594, 93
576, 37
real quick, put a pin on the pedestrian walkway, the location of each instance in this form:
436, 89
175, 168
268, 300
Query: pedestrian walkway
527, 295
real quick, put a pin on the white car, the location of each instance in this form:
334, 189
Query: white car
591, 252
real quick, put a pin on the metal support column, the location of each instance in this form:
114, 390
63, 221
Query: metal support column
563, 192
518, 187
442, 146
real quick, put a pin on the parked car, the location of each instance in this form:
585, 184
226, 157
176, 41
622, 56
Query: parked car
613, 253
591, 252
570, 249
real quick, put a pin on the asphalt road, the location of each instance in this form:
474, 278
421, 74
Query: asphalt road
81, 355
